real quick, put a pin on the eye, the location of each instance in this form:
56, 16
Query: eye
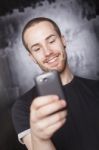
36, 49
52, 41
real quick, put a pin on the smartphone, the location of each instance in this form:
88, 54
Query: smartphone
49, 84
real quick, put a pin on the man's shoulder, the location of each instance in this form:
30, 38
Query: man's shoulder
92, 84
32, 93
25, 100
87, 80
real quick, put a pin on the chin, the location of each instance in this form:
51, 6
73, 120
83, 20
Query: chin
59, 69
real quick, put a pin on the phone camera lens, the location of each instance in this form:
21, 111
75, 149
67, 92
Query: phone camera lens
45, 79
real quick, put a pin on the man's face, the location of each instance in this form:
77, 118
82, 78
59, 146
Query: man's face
46, 46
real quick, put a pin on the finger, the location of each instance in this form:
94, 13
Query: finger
50, 109
37, 114
33, 116
53, 128
43, 100
51, 120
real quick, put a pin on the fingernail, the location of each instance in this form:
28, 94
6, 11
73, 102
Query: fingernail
63, 102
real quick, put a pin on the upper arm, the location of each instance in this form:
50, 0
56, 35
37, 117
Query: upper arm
27, 141
21, 111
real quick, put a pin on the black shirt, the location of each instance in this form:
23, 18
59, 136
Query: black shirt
81, 130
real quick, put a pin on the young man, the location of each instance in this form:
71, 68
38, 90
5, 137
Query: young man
47, 122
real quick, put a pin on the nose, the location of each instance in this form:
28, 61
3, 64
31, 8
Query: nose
47, 50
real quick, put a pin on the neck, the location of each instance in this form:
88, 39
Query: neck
66, 76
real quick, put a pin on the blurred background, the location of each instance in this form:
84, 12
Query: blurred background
78, 21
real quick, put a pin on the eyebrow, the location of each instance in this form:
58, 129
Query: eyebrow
49, 36
36, 44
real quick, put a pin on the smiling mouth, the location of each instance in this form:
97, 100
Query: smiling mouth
52, 60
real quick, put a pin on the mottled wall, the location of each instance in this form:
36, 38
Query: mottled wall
81, 34
80, 25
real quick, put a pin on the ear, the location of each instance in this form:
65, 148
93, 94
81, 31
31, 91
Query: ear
63, 40
31, 56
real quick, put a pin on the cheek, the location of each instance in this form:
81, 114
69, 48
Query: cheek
63, 54
38, 57
59, 47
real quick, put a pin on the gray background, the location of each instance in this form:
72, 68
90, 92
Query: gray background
79, 23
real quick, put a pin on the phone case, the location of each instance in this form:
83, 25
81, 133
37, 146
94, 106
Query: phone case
49, 83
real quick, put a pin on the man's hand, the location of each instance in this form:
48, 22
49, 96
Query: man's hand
47, 115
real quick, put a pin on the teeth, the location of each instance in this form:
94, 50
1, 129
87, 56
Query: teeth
52, 60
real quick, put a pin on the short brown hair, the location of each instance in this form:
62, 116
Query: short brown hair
35, 21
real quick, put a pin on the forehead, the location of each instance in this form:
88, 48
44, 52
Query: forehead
39, 31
